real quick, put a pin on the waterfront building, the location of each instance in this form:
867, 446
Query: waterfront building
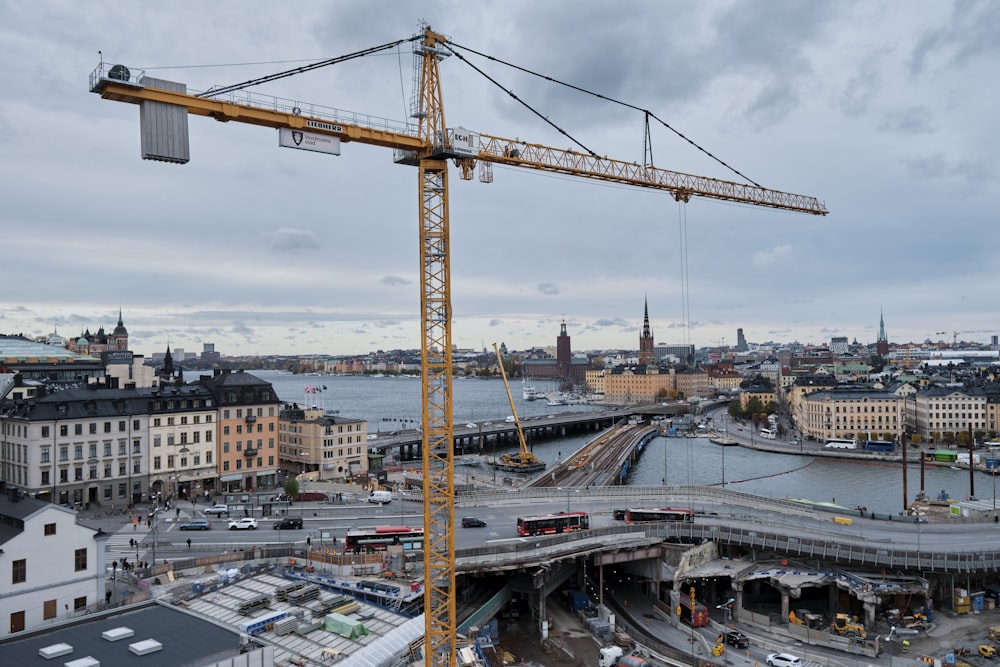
688, 382
940, 414
53, 568
803, 386
856, 414
321, 446
248, 430
762, 393
637, 385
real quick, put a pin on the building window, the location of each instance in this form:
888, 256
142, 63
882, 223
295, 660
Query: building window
107, 448
80, 559
45, 431
79, 603
135, 424
93, 427
122, 425
64, 476
157, 422
48, 609
50, 529
19, 571
77, 451
107, 427
45, 455
64, 430
156, 440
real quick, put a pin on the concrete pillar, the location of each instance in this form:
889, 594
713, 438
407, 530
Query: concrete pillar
869, 615
784, 607
543, 619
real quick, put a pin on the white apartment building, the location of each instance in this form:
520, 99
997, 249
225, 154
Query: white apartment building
51, 568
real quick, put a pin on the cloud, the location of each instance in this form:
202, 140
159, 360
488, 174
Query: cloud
772, 257
549, 289
292, 240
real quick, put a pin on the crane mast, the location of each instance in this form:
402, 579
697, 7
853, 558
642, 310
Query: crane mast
429, 146
440, 625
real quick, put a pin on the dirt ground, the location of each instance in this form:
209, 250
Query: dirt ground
569, 642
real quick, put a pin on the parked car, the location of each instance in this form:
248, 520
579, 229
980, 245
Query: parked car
473, 522
246, 523
737, 639
217, 510
288, 522
197, 524
783, 660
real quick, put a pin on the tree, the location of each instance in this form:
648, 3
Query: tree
292, 487
734, 409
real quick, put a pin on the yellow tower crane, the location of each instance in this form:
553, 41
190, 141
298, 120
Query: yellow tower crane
164, 108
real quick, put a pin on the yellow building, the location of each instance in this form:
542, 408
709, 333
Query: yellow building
321, 446
852, 414
637, 385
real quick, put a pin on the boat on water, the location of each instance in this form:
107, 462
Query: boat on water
528, 392
555, 398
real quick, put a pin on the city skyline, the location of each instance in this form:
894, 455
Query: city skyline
877, 110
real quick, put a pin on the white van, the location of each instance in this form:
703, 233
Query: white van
380, 497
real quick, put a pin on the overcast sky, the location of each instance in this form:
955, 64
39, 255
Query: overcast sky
884, 111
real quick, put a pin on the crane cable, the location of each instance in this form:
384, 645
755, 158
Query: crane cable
517, 99
685, 298
306, 68
612, 100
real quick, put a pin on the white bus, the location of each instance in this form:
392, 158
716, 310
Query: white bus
768, 433
841, 443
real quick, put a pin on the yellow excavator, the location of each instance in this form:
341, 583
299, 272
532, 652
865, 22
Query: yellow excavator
522, 461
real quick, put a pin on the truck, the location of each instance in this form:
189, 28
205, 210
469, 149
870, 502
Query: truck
614, 655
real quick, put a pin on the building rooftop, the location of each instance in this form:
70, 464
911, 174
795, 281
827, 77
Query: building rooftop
186, 639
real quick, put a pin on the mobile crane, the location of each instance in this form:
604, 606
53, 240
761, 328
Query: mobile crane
164, 107
523, 461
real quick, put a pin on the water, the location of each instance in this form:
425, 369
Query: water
391, 403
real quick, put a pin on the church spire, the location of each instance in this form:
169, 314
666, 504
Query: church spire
646, 354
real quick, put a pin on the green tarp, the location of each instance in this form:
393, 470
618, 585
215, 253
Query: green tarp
343, 626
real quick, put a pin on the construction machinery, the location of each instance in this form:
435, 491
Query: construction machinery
522, 461
164, 109
845, 626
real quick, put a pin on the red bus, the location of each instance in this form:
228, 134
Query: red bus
696, 617
380, 538
644, 514
549, 524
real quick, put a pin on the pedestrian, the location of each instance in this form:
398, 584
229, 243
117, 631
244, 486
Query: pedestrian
177, 514
131, 542
135, 524
189, 543
107, 596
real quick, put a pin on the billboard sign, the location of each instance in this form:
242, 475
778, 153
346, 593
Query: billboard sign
308, 141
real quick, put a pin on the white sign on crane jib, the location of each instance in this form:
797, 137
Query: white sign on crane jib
308, 141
